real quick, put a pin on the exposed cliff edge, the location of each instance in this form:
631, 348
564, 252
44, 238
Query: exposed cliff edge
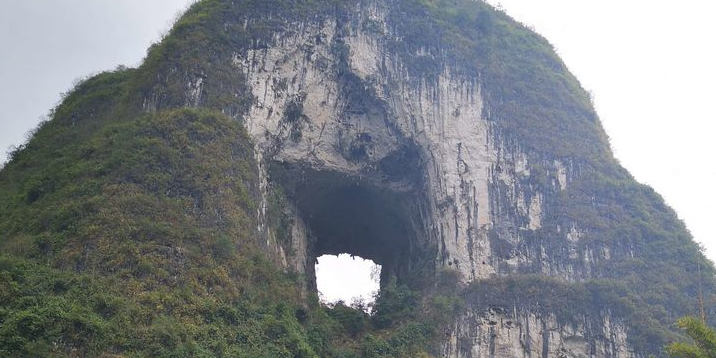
438, 138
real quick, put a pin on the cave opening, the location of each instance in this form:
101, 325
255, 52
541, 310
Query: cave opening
377, 216
346, 278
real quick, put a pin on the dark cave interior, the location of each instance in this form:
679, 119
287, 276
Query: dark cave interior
354, 215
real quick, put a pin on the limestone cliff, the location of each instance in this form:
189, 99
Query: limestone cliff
332, 98
434, 135
395, 144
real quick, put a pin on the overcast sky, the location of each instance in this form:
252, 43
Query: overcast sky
344, 278
648, 63
45, 45
651, 66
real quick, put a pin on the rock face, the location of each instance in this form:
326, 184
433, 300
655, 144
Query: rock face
337, 115
356, 116
497, 333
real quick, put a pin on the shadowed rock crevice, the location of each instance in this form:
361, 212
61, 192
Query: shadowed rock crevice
374, 214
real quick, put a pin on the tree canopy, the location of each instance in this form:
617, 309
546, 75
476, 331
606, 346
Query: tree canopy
704, 337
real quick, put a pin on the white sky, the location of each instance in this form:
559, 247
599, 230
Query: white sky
45, 45
649, 64
344, 277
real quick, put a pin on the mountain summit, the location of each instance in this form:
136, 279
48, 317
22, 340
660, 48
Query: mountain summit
177, 209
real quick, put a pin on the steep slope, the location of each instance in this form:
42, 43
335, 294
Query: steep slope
137, 238
177, 209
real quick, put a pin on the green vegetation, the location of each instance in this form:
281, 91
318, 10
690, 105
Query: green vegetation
652, 264
138, 241
135, 236
662, 268
704, 339
405, 323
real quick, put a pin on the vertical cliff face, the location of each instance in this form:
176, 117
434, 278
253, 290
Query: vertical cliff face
431, 136
499, 333
337, 111
335, 99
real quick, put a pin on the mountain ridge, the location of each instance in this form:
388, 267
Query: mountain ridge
564, 219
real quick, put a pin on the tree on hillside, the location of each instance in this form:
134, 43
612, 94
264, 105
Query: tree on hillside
704, 337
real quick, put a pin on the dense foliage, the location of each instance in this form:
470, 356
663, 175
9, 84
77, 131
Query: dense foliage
139, 241
704, 339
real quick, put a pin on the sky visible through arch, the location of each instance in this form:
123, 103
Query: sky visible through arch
345, 277
649, 64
